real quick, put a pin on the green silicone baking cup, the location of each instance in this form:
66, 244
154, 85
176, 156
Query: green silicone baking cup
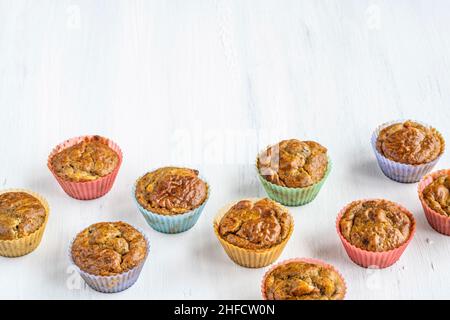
293, 197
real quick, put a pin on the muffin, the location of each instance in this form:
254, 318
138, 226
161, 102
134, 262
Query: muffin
23, 216
303, 279
254, 232
375, 232
171, 198
434, 194
109, 255
409, 142
407, 150
293, 171
437, 195
87, 160
86, 167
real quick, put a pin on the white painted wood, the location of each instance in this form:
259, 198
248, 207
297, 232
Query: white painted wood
207, 84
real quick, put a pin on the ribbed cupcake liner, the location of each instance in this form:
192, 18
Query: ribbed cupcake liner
115, 283
247, 257
371, 259
90, 189
22, 246
306, 260
400, 172
437, 221
171, 223
293, 196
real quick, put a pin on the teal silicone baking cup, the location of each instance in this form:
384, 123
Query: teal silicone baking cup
174, 223
293, 196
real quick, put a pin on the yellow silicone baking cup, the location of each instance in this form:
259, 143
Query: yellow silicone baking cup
247, 257
24, 245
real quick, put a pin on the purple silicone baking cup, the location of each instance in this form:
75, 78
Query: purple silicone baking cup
400, 172
115, 283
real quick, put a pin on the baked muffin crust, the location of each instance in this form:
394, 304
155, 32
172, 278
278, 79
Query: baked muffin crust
375, 225
437, 195
171, 190
410, 143
293, 163
88, 160
21, 214
255, 224
108, 248
299, 280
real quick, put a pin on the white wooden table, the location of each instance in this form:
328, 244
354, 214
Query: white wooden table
207, 84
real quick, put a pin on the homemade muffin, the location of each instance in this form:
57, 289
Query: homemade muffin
293, 163
171, 191
437, 195
298, 280
21, 214
375, 225
88, 160
108, 248
258, 224
410, 143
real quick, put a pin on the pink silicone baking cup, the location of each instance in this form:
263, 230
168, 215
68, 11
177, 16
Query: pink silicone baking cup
306, 260
372, 259
90, 189
437, 221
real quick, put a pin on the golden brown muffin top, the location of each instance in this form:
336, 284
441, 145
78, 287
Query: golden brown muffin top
255, 224
108, 248
375, 225
409, 142
88, 160
299, 280
171, 190
293, 163
21, 214
437, 195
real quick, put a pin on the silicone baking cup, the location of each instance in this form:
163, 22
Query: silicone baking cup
171, 223
22, 246
437, 221
247, 257
293, 196
115, 283
372, 259
401, 172
306, 260
90, 189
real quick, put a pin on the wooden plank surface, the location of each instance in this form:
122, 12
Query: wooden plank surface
207, 84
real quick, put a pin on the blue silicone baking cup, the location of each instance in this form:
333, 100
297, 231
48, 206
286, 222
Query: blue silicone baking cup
401, 172
115, 283
171, 223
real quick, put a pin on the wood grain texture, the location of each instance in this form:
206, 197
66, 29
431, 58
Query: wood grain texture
207, 84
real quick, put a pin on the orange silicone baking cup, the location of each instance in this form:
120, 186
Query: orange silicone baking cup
246, 257
90, 189
22, 246
306, 260
373, 259
437, 221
